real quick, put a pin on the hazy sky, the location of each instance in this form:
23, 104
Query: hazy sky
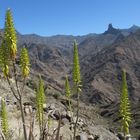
76, 17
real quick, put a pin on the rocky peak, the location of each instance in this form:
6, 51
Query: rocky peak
111, 30
134, 28
110, 27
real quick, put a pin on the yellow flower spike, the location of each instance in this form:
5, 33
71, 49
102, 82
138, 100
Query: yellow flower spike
125, 108
24, 62
76, 65
67, 87
6, 71
4, 119
10, 34
13, 51
26, 71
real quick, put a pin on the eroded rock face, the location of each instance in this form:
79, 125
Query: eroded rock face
102, 72
112, 30
102, 57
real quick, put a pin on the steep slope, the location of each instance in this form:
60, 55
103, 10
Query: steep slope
102, 71
57, 40
96, 43
52, 57
102, 79
112, 30
132, 29
50, 63
102, 57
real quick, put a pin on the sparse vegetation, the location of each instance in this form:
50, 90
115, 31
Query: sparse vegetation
68, 93
76, 83
40, 100
8, 52
8, 55
56, 95
11, 70
125, 112
4, 120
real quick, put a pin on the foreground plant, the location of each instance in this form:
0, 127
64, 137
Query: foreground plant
8, 54
8, 58
68, 94
125, 112
76, 83
4, 120
40, 99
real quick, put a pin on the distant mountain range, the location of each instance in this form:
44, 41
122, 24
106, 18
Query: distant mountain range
102, 56
67, 40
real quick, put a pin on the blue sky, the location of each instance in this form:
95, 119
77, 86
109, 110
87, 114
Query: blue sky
76, 17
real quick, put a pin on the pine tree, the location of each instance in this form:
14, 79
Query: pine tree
125, 112
4, 119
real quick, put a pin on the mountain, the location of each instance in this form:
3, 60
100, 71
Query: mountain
102, 56
57, 40
52, 57
112, 30
132, 29
101, 76
102, 71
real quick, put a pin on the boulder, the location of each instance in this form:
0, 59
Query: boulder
82, 136
90, 137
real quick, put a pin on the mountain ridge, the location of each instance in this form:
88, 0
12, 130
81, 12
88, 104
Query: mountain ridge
102, 56
132, 28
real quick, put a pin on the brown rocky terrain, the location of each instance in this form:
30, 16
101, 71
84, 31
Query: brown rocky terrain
102, 71
102, 76
102, 57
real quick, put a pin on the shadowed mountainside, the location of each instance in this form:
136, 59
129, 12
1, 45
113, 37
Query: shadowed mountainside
102, 57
